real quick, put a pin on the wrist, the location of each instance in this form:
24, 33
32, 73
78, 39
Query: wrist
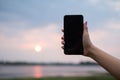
91, 51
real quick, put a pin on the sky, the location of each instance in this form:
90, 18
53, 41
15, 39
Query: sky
27, 23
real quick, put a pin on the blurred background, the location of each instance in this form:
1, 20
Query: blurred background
30, 36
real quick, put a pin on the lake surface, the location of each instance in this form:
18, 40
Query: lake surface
38, 71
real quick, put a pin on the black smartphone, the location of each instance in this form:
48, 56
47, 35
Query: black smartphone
73, 34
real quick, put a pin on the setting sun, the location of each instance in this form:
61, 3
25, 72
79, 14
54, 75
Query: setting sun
38, 48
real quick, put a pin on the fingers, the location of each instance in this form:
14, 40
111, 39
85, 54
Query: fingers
62, 30
62, 37
62, 47
62, 42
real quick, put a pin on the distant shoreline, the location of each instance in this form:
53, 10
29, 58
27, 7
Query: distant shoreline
52, 64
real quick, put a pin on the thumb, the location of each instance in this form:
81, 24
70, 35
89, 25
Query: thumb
85, 27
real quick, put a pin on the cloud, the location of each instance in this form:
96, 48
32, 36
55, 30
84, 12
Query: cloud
108, 37
115, 5
29, 37
26, 24
20, 46
94, 2
113, 25
25, 39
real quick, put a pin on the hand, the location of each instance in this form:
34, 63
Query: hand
110, 63
86, 40
87, 44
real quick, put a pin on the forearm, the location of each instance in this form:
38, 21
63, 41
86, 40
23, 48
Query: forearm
109, 62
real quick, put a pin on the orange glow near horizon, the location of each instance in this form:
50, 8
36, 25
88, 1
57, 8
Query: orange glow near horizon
37, 72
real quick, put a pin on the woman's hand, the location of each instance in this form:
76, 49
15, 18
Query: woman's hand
86, 40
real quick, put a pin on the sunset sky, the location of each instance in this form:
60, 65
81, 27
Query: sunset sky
25, 24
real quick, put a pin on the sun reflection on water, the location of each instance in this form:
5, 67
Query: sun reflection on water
37, 72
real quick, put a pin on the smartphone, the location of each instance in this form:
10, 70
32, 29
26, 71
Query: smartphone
73, 34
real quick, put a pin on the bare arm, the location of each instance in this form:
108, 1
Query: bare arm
110, 63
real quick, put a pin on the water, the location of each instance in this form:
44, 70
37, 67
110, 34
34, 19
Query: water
38, 71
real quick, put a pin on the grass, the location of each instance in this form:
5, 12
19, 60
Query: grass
67, 78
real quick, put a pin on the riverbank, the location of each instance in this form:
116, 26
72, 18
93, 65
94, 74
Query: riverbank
108, 77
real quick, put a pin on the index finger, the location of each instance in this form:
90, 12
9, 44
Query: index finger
62, 30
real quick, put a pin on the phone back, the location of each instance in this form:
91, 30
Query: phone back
73, 34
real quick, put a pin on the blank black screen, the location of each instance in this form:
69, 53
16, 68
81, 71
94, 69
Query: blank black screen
73, 33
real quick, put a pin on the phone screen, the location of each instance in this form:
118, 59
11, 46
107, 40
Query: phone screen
73, 33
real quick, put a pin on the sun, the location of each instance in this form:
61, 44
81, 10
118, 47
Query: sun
38, 48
